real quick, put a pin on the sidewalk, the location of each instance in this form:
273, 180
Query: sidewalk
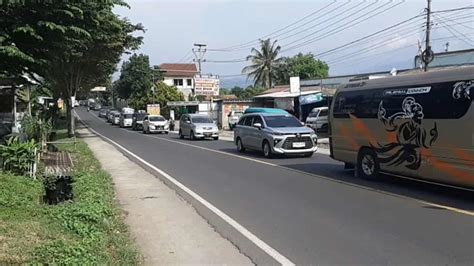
168, 230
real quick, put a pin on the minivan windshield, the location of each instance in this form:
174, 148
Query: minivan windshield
127, 116
201, 119
282, 121
157, 118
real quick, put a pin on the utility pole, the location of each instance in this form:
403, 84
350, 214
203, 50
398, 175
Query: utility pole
427, 56
199, 54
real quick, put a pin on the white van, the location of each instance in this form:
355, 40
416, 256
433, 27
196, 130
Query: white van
318, 118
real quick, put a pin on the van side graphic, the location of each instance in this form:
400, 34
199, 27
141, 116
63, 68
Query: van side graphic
410, 135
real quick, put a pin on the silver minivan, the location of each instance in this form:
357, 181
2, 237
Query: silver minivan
274, 134
197, 126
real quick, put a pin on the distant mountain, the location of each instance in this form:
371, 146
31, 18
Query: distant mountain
237, 81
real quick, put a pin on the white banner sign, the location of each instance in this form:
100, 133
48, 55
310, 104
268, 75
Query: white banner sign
206, 86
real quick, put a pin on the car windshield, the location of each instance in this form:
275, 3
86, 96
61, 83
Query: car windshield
313, 114
127, 116
201, 119
282, 121
157, 118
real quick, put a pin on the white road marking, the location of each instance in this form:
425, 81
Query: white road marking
249, 235
453, 209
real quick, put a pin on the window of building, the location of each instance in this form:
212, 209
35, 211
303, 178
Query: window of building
178, 82
189, 82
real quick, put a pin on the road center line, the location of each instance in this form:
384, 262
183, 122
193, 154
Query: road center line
453, 209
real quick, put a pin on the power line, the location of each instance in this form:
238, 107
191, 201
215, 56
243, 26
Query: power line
377, 45
341, 27
282, 29
451, 29
185, 56
455, 22
371, 37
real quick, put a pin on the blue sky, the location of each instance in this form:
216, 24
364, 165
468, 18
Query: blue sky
174, 26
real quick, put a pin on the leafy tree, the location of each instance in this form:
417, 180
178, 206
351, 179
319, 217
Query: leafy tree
264, 63
301, 65
224, 91
163, 94
73, 45
136, 76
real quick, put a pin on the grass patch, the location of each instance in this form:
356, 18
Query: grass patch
88, 230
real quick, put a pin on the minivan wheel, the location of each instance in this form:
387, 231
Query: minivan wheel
267, 150
240, 145
367, 165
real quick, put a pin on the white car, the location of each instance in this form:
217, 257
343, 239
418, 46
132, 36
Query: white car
197, 126
126, 120
155, 124
318, 119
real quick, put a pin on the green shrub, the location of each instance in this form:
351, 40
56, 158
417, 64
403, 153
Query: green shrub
18, 157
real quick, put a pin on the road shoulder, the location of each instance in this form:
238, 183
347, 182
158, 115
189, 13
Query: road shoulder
167, 228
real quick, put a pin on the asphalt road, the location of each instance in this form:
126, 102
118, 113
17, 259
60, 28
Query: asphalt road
311, 210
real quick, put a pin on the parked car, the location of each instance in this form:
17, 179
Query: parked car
126, 120
97, 107
197, 126
137, 120
234, 117
110, 115
107, 113
318, 119
155, 124
116, 118
103, 111
274, 134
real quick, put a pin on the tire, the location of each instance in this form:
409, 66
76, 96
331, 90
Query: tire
309, 154
180, 134
367, 165
240, 145
215, 138
191, 135
267, 149
166, 132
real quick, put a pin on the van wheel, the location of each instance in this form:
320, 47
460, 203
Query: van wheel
267, 150
180, 134
367, 165
240, 145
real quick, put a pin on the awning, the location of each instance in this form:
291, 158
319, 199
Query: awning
286, 94
182, 103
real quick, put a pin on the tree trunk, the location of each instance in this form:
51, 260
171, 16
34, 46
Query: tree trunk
70, 117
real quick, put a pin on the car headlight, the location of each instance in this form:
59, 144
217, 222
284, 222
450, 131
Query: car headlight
167, 126
152, 126
314, 137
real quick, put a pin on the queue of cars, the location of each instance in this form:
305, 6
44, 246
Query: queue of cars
137, 120
272, 131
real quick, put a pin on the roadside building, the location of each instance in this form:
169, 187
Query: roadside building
180, 75
446, 59
228, 106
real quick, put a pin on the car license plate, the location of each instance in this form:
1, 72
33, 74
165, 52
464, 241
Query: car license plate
207, 134
299, 144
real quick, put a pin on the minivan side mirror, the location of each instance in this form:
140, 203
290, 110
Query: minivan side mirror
302, 123
187, 121
258, 125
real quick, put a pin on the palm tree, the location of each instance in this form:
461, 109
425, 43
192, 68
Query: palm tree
264, 63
